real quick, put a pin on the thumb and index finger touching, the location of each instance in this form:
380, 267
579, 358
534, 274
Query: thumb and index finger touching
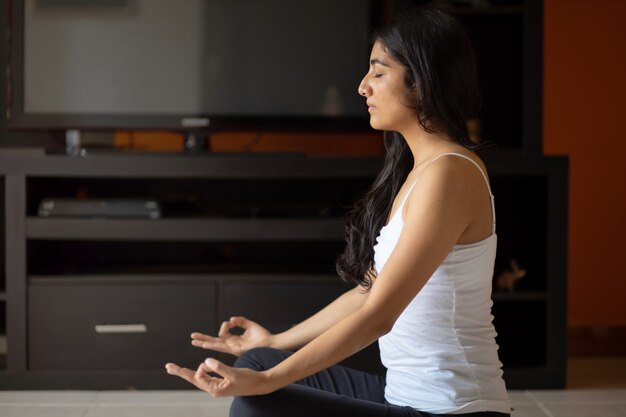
220, 343
223, 370
225, 328
233, 322
239, 321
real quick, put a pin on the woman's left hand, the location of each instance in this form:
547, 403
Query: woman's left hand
232, 381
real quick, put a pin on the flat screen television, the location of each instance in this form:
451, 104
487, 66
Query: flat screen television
163, 64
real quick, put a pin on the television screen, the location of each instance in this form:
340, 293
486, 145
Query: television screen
153, 63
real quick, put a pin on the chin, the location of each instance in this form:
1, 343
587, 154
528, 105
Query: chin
377, 125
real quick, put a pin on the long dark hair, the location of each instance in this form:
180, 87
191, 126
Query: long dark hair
440, 69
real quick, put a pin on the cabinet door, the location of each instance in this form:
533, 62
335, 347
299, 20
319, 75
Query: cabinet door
117, 326
278, 305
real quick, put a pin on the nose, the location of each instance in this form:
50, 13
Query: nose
364, 88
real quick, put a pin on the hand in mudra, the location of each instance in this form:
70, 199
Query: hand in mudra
254, 335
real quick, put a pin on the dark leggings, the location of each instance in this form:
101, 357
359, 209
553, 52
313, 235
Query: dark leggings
336, 391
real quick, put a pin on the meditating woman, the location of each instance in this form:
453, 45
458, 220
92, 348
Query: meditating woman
420, 250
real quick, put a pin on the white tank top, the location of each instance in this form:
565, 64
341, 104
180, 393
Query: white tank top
441, 355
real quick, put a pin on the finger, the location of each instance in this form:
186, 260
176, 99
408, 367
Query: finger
225, 371
214, 386
225, 329
241, 322
184, 373
172, 368
215, 344
206, 344
208, 340
200, 336
202, 373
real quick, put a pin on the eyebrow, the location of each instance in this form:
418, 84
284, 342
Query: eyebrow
378, 61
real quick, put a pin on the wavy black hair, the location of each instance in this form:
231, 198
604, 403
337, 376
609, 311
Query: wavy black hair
440, 72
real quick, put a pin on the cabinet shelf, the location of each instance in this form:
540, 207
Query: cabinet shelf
223, 229
190, 278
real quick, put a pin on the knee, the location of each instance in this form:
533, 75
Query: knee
261, 358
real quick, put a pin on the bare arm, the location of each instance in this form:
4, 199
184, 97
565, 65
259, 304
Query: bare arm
302, 333
256, 336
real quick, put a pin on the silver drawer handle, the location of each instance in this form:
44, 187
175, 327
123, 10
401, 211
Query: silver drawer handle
121, 328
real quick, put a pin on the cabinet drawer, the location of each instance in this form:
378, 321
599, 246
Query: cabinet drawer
117, 326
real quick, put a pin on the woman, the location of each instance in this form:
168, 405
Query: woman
420, 248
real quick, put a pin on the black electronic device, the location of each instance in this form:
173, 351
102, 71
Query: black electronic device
158, 64
89, 208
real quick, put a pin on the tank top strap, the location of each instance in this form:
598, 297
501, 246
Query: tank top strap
408, 193
493, 209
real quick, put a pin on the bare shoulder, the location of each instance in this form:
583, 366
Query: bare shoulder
452, 180
452, 191
454, 169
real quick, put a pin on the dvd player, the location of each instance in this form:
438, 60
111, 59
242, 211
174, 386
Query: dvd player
115, 208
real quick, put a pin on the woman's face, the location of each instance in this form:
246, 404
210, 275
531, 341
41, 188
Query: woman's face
388, 101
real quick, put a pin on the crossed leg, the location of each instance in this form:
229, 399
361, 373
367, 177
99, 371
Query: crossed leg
336, 391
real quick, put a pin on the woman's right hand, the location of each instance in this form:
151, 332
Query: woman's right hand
254, 335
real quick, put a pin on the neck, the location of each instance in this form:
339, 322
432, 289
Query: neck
423, 145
